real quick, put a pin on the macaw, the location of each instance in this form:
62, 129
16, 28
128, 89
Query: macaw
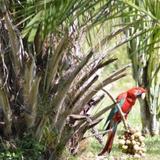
125, 101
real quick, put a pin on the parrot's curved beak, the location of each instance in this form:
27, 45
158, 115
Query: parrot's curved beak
143, 95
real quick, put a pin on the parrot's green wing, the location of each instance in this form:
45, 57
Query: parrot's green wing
114, 111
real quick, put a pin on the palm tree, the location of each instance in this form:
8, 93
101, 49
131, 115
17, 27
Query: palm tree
46, 74
144, 53
49, 63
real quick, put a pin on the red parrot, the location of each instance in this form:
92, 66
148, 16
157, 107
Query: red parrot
125, 101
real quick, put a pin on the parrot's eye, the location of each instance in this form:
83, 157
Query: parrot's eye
138, 94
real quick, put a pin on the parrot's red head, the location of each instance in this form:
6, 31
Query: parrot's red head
137, 92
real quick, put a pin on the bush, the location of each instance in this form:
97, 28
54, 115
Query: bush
27, 148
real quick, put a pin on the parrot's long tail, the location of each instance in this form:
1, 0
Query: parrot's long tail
109, 142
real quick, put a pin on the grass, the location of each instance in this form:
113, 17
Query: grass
90, 147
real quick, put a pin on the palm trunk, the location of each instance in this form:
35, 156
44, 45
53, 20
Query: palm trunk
148, 107
144, 55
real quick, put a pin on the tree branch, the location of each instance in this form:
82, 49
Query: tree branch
54, 61
104, 110
14, 41
85, 99
80, 94
92, 71
59, 98
95, 131
4, 103
97, 134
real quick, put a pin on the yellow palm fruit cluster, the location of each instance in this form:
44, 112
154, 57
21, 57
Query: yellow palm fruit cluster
132, 142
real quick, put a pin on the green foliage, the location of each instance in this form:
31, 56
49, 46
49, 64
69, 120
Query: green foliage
58, 21
26, 148
144, 50
9, 155
30, 147
51, 16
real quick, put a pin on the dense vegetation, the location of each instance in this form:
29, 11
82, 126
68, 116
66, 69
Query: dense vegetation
52, 53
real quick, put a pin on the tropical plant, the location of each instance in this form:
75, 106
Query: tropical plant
47, 77
50, 53
144, 52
